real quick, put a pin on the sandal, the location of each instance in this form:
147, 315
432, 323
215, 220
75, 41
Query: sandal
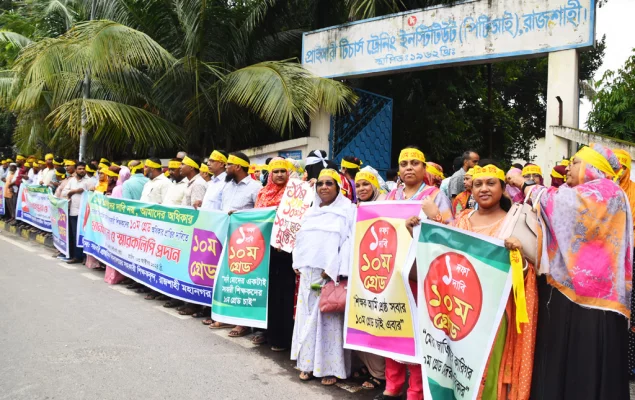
306, 376
373, 383
219, 325
173, 303
152, 296
259, 338
203, 312
240, 332
326, 379
188, 310
278, 349
207, 321
361, 374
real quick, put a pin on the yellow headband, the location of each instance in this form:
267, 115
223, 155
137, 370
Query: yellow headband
114, 164
9, 160
237, 161
191, 163
174, 164
134, 169
218, 156
152, 164
565, 162
556, 174
597, 160
204, 168
57, 163
102, 165
470, 172
48, 157
412, 154
263, 167
532, 169
624, 157
27, 164
69, 163
104, 160
278, 164
60, 174
434, 171
367, 176
41, 162
350, 165
89, 168
488, 171
109, 172
252, 169
332, 174
20, 158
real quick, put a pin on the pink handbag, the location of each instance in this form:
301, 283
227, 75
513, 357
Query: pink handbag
333, 297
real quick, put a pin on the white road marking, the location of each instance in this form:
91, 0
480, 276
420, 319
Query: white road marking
123, 290
18, 244
171, 312
90, 276
64, 265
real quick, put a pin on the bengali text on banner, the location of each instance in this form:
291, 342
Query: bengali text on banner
241, 292
34, 207
59, 223
380, 309
172, 250
296, 200
464, 285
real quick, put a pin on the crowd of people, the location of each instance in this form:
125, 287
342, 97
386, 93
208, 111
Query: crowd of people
576, 343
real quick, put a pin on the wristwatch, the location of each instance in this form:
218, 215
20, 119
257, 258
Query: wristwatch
527, 183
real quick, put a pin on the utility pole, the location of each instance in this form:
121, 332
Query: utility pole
83, 137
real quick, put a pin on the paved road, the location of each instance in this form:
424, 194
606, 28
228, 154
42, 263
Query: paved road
65, 334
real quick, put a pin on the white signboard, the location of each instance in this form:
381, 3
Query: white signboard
468, 32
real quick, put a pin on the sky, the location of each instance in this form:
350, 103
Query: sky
615, 20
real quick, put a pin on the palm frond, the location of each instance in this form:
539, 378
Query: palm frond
61, 9
283, 93
362, 9
17, 40
115, 123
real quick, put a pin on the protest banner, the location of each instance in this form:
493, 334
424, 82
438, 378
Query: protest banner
380, 308
464, 285
297, 198
241, 292
34, 207
83, 206
172, 250
59, 223
2, 198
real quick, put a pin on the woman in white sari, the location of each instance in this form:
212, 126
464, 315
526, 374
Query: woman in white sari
322, 253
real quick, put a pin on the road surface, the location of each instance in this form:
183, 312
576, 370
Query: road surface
65, 334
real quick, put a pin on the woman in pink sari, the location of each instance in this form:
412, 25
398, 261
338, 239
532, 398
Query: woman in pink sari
112, 277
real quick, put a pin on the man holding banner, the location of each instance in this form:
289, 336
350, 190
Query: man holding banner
73, 191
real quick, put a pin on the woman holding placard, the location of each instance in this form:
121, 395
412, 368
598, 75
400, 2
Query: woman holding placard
322, 253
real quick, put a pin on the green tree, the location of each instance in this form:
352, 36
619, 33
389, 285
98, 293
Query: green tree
613, 112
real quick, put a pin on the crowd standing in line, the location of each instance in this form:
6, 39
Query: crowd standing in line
576, 344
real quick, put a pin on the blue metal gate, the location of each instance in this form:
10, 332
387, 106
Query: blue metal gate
365, 132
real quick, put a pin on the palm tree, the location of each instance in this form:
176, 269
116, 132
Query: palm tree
141, 94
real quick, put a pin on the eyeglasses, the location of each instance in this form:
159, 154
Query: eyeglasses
327, 183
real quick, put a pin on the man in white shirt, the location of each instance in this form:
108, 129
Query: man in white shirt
196, 185
216, 163
240, 193
156, 189
241, 190
49, 172
73, 191
176, 192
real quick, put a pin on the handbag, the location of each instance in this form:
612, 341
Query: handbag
523, 222
333, 296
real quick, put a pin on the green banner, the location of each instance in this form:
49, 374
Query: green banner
242, 281
464, 284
